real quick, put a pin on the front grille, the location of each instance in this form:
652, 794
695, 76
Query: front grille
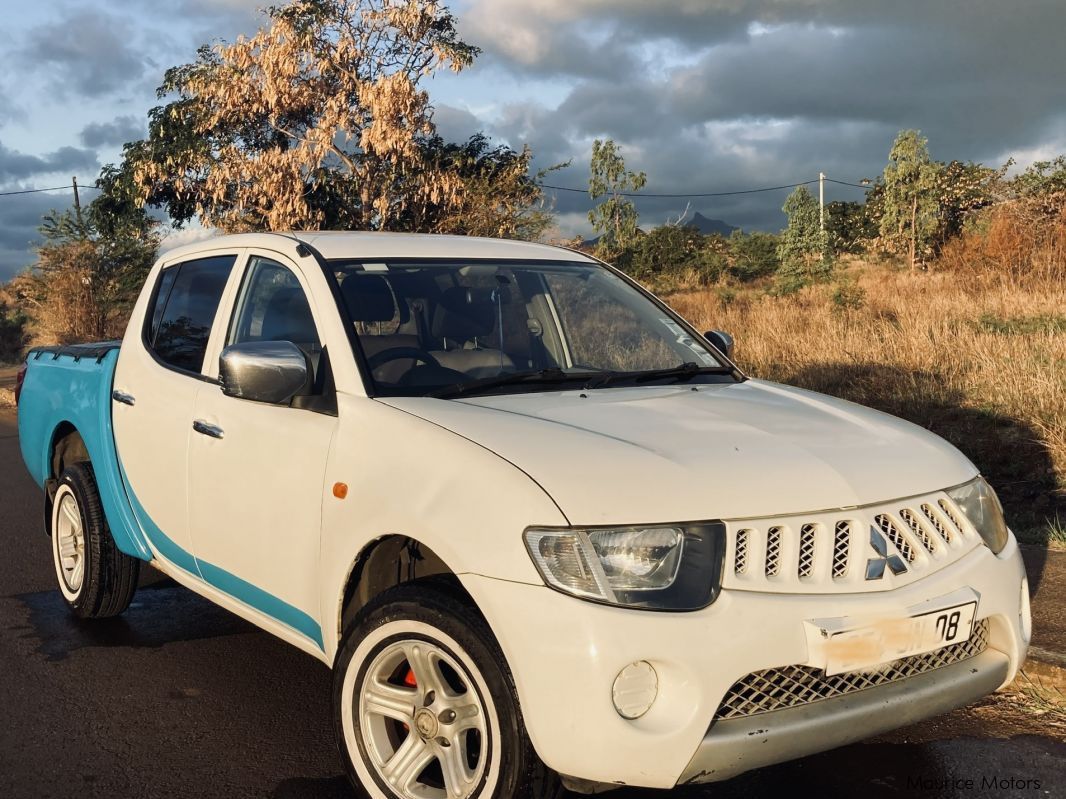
791, 686
827, 551
841, 543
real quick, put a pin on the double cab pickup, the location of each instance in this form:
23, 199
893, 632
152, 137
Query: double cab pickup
544, 532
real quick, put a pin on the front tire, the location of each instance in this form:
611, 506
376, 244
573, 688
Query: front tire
95, 578
425, 707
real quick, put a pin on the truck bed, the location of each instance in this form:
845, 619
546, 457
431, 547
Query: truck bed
68, 388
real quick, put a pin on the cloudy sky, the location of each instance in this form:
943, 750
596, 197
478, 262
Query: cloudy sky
703, 95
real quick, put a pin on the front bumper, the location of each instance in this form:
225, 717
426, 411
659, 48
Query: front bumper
734, 746
565, 654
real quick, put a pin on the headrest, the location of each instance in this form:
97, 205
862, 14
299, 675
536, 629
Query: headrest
368, 297
464, 314
288, 318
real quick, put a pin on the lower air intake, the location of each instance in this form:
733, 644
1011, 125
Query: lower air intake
791, 686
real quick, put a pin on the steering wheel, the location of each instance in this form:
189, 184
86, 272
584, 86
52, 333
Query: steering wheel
379, 359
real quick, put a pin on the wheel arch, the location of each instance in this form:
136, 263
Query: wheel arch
389, 561
66, 446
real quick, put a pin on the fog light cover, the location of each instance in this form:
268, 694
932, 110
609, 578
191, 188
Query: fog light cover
635, 690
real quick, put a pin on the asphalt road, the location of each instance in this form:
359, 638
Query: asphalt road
180, 698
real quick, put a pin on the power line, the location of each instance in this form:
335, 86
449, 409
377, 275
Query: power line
555, 188
865, 186
700, 194
53, 188
708, 193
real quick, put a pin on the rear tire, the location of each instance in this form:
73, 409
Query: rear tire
95, 578
425, 707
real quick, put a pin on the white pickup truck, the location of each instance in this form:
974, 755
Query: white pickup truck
545, 533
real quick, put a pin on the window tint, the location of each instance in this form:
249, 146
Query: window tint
274, 307
185, 308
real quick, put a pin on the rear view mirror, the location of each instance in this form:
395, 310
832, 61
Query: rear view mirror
264, 371
722, 341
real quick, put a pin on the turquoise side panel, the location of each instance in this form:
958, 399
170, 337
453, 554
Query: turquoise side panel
78, 392
230, 584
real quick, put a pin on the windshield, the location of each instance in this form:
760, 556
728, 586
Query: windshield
430, 327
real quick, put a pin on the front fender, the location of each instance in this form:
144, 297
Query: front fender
410, 477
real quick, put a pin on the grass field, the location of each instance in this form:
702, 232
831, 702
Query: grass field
981, 364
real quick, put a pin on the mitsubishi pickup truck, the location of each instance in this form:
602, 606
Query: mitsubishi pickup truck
545, 533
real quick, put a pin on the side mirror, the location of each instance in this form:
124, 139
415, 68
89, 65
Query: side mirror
264, 371
722, 340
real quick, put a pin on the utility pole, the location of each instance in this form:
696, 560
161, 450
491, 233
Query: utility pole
821, 200
77, 199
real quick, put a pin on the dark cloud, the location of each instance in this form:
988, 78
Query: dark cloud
88, 53
117, 132
17, 166
455, 124
709, 95
18, 234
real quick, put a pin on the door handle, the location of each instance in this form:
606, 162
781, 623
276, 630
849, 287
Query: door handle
207, 429
123, 397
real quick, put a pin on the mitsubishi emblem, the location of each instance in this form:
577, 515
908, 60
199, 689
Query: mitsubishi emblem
875, 567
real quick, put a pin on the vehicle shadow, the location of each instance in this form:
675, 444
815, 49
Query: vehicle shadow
1010, 453
162, 613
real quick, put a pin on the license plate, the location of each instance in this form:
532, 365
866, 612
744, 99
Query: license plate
866, 647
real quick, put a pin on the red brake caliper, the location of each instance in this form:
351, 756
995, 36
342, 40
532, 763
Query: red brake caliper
410, 681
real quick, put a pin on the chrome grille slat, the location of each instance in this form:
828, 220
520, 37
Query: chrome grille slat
893, 533
934, 520
791, 686
841, 545
806, 550
740, 557
918, 529
954, 519
773, 551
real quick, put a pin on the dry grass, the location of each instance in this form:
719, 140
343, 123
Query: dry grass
981, 363
7, 398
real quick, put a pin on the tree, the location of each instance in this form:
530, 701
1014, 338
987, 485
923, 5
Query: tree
615, 219
671, 250
753, 255
319, 121
910, 206
962, 189
804, 248
84, 282
848, 226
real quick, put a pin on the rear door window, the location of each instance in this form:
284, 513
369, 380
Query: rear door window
184, 310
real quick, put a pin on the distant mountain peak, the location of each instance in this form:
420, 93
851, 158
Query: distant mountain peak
707, 226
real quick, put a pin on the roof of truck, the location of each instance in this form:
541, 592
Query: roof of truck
359, 245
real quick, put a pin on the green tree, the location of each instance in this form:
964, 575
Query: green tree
910, 202
616, 218
848, 226
672, 251
753, 255
962, 189
804, 248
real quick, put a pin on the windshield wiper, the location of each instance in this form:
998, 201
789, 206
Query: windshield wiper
539, 377
682, 373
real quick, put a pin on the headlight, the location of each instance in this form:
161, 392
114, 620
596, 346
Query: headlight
670, 567
979, 502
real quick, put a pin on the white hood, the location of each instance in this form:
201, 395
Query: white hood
725, 451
